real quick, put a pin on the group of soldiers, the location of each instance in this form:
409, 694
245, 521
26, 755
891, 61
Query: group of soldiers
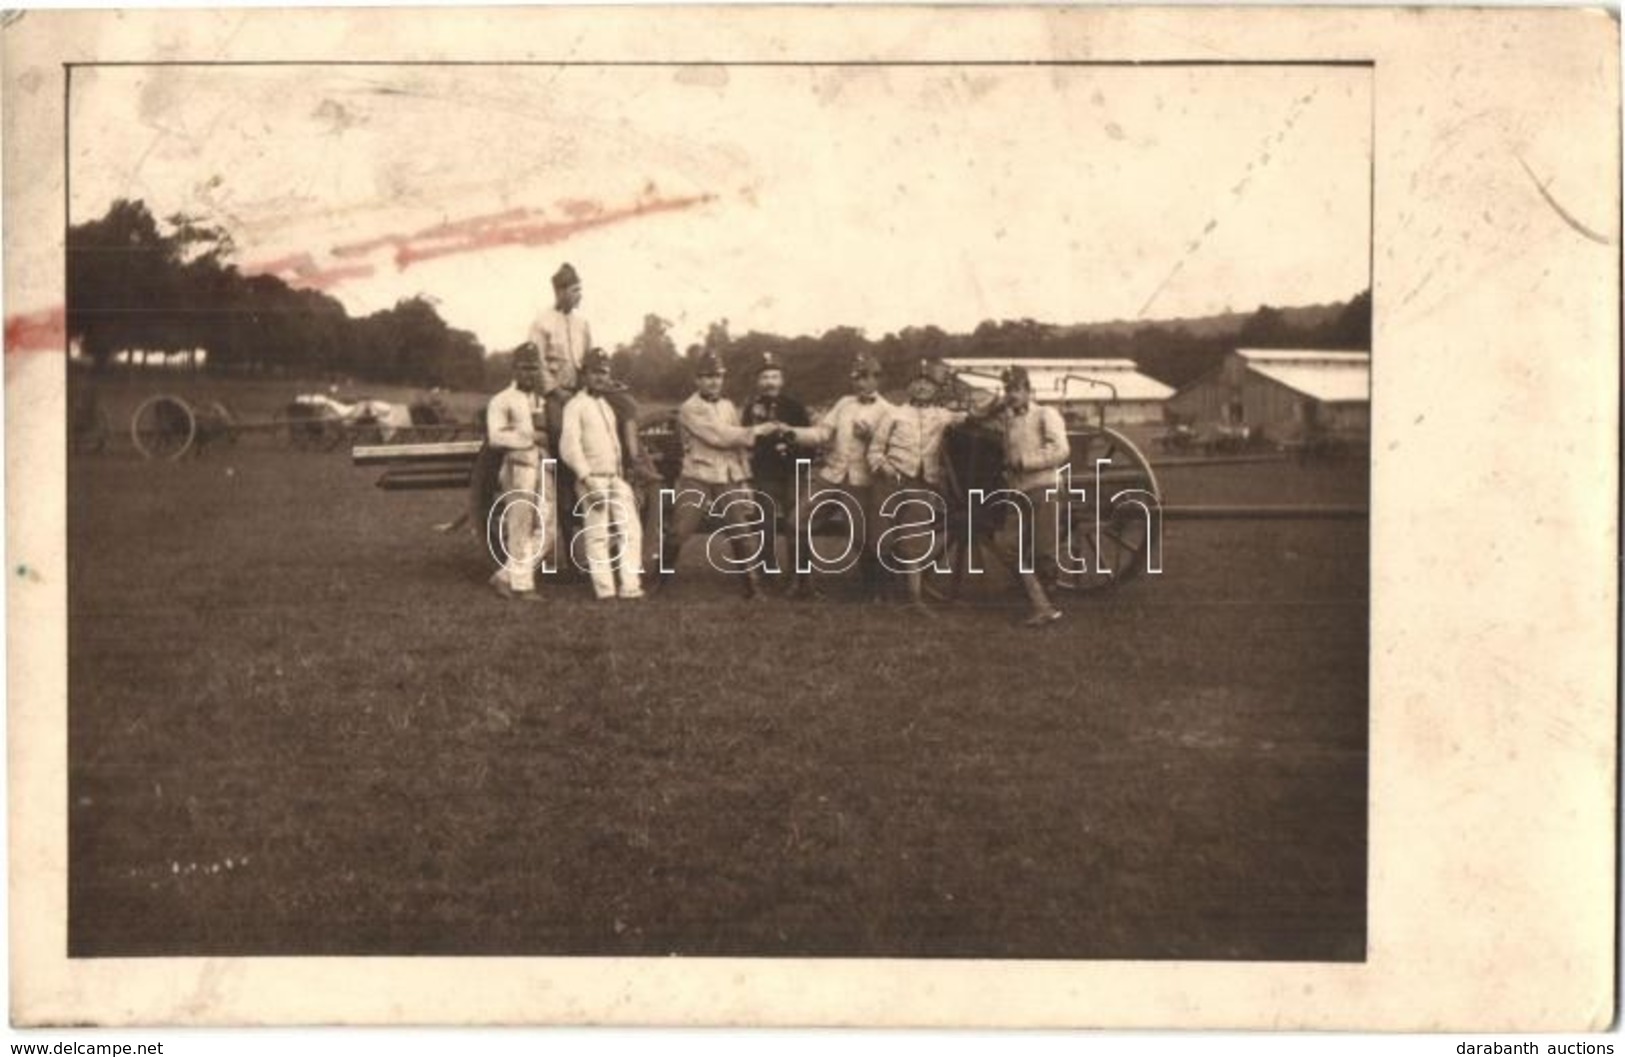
571, 457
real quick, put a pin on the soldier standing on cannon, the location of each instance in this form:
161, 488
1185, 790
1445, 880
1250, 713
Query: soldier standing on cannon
716, 475
515, 427
562, 330
773, 462
564, 336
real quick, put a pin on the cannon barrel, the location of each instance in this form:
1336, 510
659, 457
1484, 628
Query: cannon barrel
452, 452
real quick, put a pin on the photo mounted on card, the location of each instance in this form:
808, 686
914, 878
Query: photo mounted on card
893, 516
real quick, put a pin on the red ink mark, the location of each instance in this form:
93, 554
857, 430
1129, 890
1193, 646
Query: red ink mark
300, 269
47, 328
294, 262
449, 229
327, 277
452, 229
580, 208
361, 249
545, 233
35, 331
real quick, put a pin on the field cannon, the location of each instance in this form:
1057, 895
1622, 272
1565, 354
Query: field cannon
167, 427
1115, 524
1118, 517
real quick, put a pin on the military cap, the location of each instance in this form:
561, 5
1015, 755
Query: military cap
595, 360
865, 364
564, 277
770, 362
527, 355
708, 363
1016, 378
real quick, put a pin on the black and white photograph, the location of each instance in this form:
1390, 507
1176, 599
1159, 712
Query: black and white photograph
950, 500
901, 511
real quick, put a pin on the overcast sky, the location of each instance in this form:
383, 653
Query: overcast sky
790, 199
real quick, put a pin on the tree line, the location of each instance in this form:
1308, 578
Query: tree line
134, 286
1173, 353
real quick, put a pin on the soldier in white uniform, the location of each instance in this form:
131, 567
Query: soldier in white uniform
1035, 446
844, 433
590, 444
716, 462
906, 456
515, 426
561, 330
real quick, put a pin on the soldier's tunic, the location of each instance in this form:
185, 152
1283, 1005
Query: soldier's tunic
908, 442
1035, 446
844, 433
715, 464
566, 333
527, 519
590, 445
905, 456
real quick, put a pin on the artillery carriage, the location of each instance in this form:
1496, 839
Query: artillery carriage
166, 426
1115, 505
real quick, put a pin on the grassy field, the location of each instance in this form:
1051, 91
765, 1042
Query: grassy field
300, 724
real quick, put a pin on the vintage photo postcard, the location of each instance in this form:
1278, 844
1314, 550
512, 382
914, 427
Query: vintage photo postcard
893, 516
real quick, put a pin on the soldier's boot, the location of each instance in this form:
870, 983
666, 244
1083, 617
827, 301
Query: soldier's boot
1044, 612
916, 596
874, 582
806, 588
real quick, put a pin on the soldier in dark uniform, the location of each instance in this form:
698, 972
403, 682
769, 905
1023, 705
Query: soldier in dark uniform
773, 461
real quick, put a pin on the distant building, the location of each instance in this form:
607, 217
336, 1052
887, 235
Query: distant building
1286, 394
1079, 385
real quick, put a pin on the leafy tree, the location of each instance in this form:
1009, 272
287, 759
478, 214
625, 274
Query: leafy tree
140, 287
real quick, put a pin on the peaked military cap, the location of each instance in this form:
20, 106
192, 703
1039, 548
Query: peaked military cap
1016, 378
565, 276
527, 355
595, 360
865, 364
708, 363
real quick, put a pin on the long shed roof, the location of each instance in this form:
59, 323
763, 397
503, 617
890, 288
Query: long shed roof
1328, 376
1055, 380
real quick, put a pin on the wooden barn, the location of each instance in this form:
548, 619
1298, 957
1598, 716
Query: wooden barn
1075, 383
1284, 394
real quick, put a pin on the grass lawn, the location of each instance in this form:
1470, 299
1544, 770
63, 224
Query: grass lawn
299, 724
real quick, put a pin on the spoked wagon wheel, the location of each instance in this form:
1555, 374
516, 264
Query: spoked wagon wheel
1117, 529
163, 427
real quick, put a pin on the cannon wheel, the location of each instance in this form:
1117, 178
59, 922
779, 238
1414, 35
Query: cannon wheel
163, 427
1129, 523
308, 432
